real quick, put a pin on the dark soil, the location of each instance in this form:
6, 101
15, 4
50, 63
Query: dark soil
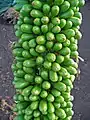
82, 86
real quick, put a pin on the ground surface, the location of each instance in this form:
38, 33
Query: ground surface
82, 87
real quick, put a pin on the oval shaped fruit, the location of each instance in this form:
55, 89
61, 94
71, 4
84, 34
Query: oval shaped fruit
51, 57
46, 9
44, 28
62, 23
57, 46
45, 20
60, 113
46, 85
37, 21
36, 30
36, 4
40, 40
56, 21
29, 63
40, 49
38, 79
26, 28
43, 94
53, 76
43, 106
55, 10
65, 6
36, 13
36, 90
50, 98
60, 38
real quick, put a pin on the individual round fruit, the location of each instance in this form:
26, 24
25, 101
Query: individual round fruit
44, 19
40, 40
50, 36
40, 49
38, 79
46, 85
51, 57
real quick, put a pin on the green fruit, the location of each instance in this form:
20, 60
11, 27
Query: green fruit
32, 43
68, 25
56, 67
68, 14
60, 86
44, 28
33, 52
50, 36
60, 113
55, 10
27, 91
53, 76
45, 20
25, 45
28, 70
26, 37
40, 49
57, 105
36, 13
43, 94
43, 106
62, 23
29, 77
26, 28
65, 51
37, 4
39, 60
59, 99
40, 40
46, 85
51, 116
29, 63
36, 30
69, 33
44, 74
51, 57
33, 97
49, 44
26, 54
36, 113
27, 20
46, 9
60, 38
56, 29
58, 2
55, 21
51, 108
47, 65
37, 21
36, 90
67, 43
38, 79
55, 92
50, 98
57, 47
34, 105
59, 59
65, 6
81, 3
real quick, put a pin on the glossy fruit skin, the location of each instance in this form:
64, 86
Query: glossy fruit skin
46, 58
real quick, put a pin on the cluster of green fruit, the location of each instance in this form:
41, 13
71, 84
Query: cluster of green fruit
45, 59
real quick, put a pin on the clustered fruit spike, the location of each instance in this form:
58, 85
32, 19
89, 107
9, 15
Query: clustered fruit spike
45, 58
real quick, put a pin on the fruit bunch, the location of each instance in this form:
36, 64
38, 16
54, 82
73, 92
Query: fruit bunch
46, 56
